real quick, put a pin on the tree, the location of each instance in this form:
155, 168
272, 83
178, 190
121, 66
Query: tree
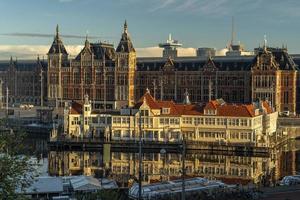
17, 170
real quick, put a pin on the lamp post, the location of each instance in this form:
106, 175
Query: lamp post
140, 156
164, 153
183, 167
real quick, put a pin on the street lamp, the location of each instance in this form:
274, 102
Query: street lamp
183, 152
140, 155
164, 153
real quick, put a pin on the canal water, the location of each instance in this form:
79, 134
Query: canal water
163, 166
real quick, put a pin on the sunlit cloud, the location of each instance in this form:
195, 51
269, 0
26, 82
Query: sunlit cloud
33, 51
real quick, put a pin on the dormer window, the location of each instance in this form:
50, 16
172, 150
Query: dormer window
210, 112
165, 111
144, 112
256, 112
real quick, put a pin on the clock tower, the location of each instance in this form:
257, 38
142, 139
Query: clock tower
125, 70
57, 57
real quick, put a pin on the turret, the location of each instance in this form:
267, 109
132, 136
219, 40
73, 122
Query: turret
57, 58
126, 59
87, 108
57, 49
125, 44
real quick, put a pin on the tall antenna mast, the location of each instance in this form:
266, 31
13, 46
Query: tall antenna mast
232, 32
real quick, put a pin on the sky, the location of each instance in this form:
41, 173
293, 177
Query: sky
195, 23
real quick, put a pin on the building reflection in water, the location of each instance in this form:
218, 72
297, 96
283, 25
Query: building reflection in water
157, 167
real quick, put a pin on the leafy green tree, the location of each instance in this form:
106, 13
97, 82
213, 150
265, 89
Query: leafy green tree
17, 170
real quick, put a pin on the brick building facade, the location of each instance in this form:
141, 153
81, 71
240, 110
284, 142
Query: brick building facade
269, 74
26, 81
104, 74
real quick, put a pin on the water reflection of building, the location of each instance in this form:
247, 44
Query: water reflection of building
156, 167
74, 163
287, 147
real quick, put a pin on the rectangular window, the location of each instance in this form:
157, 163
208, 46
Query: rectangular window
161, 121
117, 133
77, 78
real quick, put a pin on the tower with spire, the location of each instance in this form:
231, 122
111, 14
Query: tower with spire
125, 71
57, 57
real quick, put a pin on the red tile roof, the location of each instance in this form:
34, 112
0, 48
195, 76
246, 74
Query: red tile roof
211, 105
76, 108
151, 102
221, 108
232, 110
267, 107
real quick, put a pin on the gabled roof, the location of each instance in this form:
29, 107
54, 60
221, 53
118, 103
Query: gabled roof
99, 51
280, 57
209, 65
221, 108
125, 44
232, 110
169, 65
211, 105
150, 101
189, 109
57, 45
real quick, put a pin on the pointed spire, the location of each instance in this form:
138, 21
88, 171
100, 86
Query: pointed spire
125, 27
265, 42
147, 90
57, 45
125, 44
87, 43
57, 31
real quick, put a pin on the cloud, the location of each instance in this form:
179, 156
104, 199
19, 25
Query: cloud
42, 35
157, 52
32, 51
149, 52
